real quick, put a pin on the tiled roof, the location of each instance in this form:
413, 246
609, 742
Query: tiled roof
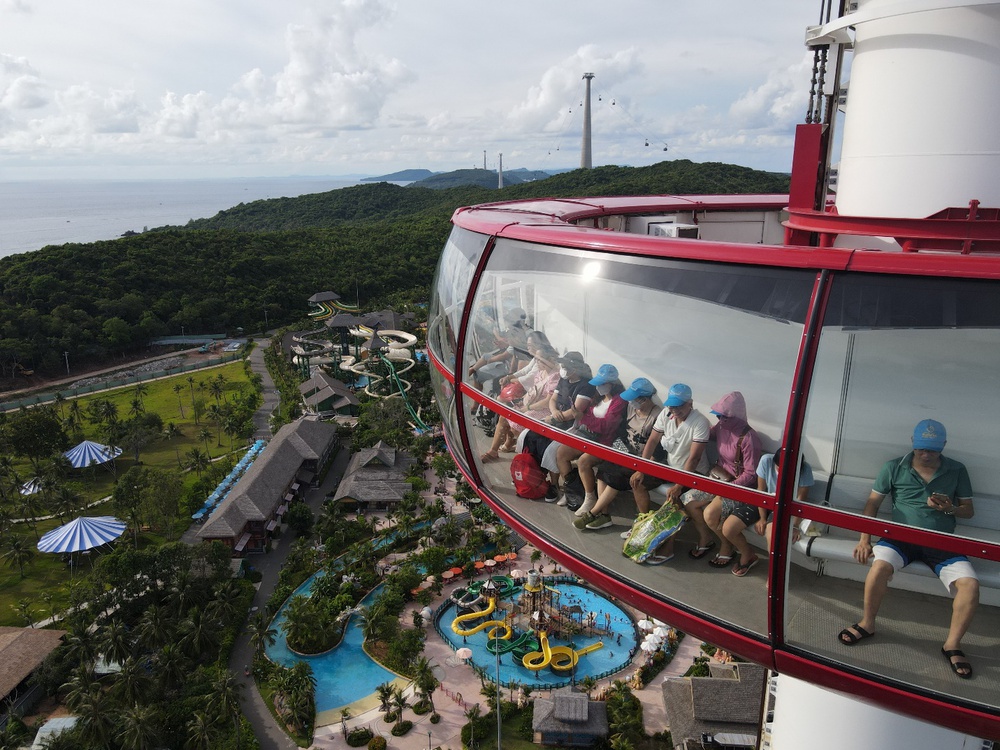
727, 702
376, 474
570, 711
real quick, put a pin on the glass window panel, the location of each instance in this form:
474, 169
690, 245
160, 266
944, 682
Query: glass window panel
825, 593
892, 353
451, 287
716, 328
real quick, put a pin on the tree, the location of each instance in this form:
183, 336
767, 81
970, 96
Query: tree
399, 704
199, 732
177, 388
425, 680
197, 460
384, 694
225, 700
262, 634
300, 518
126, 498
18, 553
35, 434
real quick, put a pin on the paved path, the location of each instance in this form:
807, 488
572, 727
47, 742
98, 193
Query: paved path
262, 417
270, 735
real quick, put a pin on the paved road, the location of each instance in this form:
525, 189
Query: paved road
262, 417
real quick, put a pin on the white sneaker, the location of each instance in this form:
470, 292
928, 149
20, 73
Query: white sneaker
625, 534
589, 501
562, 500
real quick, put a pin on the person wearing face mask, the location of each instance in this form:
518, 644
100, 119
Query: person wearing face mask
739, 453
612, 478
512, 354
599, 422
545, 377
571, 398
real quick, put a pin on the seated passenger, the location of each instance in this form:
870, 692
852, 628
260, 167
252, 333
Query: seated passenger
767, 481
535, 402
738, 445
683, 432
612, 478
526, 375
572, 395
511, 354
600, 422
928, 491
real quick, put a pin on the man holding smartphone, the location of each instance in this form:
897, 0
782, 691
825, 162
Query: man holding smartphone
928, 490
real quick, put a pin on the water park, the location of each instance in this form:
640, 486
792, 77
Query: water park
552, 631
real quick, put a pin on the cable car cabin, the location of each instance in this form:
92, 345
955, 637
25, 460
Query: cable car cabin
838, 352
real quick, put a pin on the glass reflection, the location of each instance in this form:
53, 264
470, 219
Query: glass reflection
451, 287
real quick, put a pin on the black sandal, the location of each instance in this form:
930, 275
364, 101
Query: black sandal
957, 665
848, 638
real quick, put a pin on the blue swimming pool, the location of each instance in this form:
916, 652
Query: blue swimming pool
344, 674
620, 639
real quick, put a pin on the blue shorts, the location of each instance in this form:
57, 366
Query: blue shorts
948, 566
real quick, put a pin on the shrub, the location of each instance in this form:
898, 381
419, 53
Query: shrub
421, 707
398, 730
435, 717
255, 576
377, 743
359, 736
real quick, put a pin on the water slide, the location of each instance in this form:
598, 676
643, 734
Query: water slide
523, 643
560, 658
495, 624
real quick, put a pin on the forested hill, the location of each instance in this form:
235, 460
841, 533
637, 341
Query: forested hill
93, 301
388, 201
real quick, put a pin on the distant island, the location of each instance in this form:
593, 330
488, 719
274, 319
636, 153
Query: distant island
404, 175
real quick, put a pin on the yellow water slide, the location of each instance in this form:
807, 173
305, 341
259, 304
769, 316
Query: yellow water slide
496, 624
560, 658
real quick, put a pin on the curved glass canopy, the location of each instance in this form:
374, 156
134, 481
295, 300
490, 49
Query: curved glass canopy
837, 354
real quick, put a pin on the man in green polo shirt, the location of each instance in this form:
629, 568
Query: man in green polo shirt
929, 491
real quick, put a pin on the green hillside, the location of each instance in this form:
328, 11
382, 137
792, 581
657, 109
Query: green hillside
97, 300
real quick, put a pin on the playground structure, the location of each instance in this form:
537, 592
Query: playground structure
523, 627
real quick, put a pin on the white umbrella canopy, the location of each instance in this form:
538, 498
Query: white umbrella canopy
646, 624
89, 453
31, 487
82, 534
464, 653
661, 631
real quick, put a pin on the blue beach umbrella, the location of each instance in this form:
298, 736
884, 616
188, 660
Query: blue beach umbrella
82, 534
89, 453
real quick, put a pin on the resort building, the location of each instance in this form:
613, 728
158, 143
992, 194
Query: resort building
569, 719
297, 457
375, 478
22, 651
723, 709
326, 396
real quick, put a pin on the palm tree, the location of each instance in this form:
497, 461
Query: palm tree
204, 436
140, 727
384, 694
177, 388
301, 693
136, 408
197, 460
225, 700
172, 665
116, 642
399, 704
155, 628
472, 713
588, 684
424, 679
190, 380
216, 389
97, 721
199, 633
131, 685
199, 732
19, 553
170, 431
262, 634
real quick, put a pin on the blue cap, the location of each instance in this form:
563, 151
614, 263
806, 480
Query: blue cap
605, 374
929, 435
678, 395
639, 387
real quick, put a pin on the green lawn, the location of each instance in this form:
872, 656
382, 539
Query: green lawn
47, 574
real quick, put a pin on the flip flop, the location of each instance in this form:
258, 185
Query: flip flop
957, 665
848, 638
741, 569
699, 552
658, 559
721, 561
487, 457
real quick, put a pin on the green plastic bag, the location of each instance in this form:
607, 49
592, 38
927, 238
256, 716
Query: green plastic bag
652, 529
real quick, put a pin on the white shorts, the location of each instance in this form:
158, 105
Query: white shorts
948, 566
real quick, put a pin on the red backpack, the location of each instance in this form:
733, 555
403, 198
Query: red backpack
529, 478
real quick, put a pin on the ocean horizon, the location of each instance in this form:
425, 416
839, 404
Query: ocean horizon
35, 214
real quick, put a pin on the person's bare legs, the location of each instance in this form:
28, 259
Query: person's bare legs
707, 519
564, 458
642, 501
605, 496
732, 529
876, 584
500, 436
962, 609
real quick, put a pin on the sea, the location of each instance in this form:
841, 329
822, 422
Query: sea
37, 213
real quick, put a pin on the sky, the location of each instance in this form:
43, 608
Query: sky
119, 89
